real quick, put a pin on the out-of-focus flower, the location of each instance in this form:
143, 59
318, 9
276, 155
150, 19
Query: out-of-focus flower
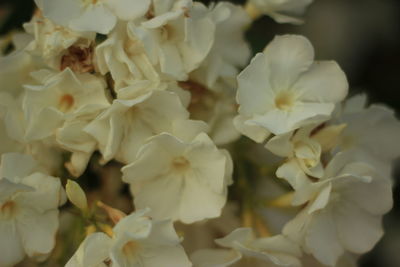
335, 205
372, 138
216, 107
29, 201
12, 131
282, 11
268, 251
92, 15
223, 61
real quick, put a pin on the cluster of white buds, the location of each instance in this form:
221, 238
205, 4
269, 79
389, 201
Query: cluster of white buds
229, 162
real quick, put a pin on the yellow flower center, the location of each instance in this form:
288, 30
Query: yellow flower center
66, 102
8, 209
180, 164
310, 163
130, 249
284, 100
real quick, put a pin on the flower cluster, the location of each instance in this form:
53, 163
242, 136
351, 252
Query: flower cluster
156, 94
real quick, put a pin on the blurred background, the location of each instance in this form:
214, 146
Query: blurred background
363, 36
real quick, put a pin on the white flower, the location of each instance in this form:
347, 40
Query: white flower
267, 251
177, 37
92, 252
283, 88
92, 15
28, 209
303, 156
14, 71
53, 42
179, 180
344, 210
59, 107
72, 137
12, 132
123, 55
216, 107
59, 96
224, 60
371, 133
137, 241
282, 11
124, 127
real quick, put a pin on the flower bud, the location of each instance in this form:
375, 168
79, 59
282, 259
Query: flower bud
76, 195
114, 214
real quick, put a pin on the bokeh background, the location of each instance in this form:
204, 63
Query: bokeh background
363, 36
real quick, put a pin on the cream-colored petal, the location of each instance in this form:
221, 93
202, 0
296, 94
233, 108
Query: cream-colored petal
37, 231
11, 247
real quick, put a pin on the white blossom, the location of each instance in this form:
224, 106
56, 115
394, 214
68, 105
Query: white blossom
371, 138
123, 128
216, 107
344, 210
59, 95
137, 241
28, 209
123, 55
180, 180
303, 156
92, 15
72, 137
15, 70
154, 87
12, 131
266, 251
224, 60
177, 37
57, 44
283, 88
92, 252
282, 11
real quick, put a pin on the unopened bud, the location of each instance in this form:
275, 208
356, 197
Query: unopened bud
76, 195
114, 214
